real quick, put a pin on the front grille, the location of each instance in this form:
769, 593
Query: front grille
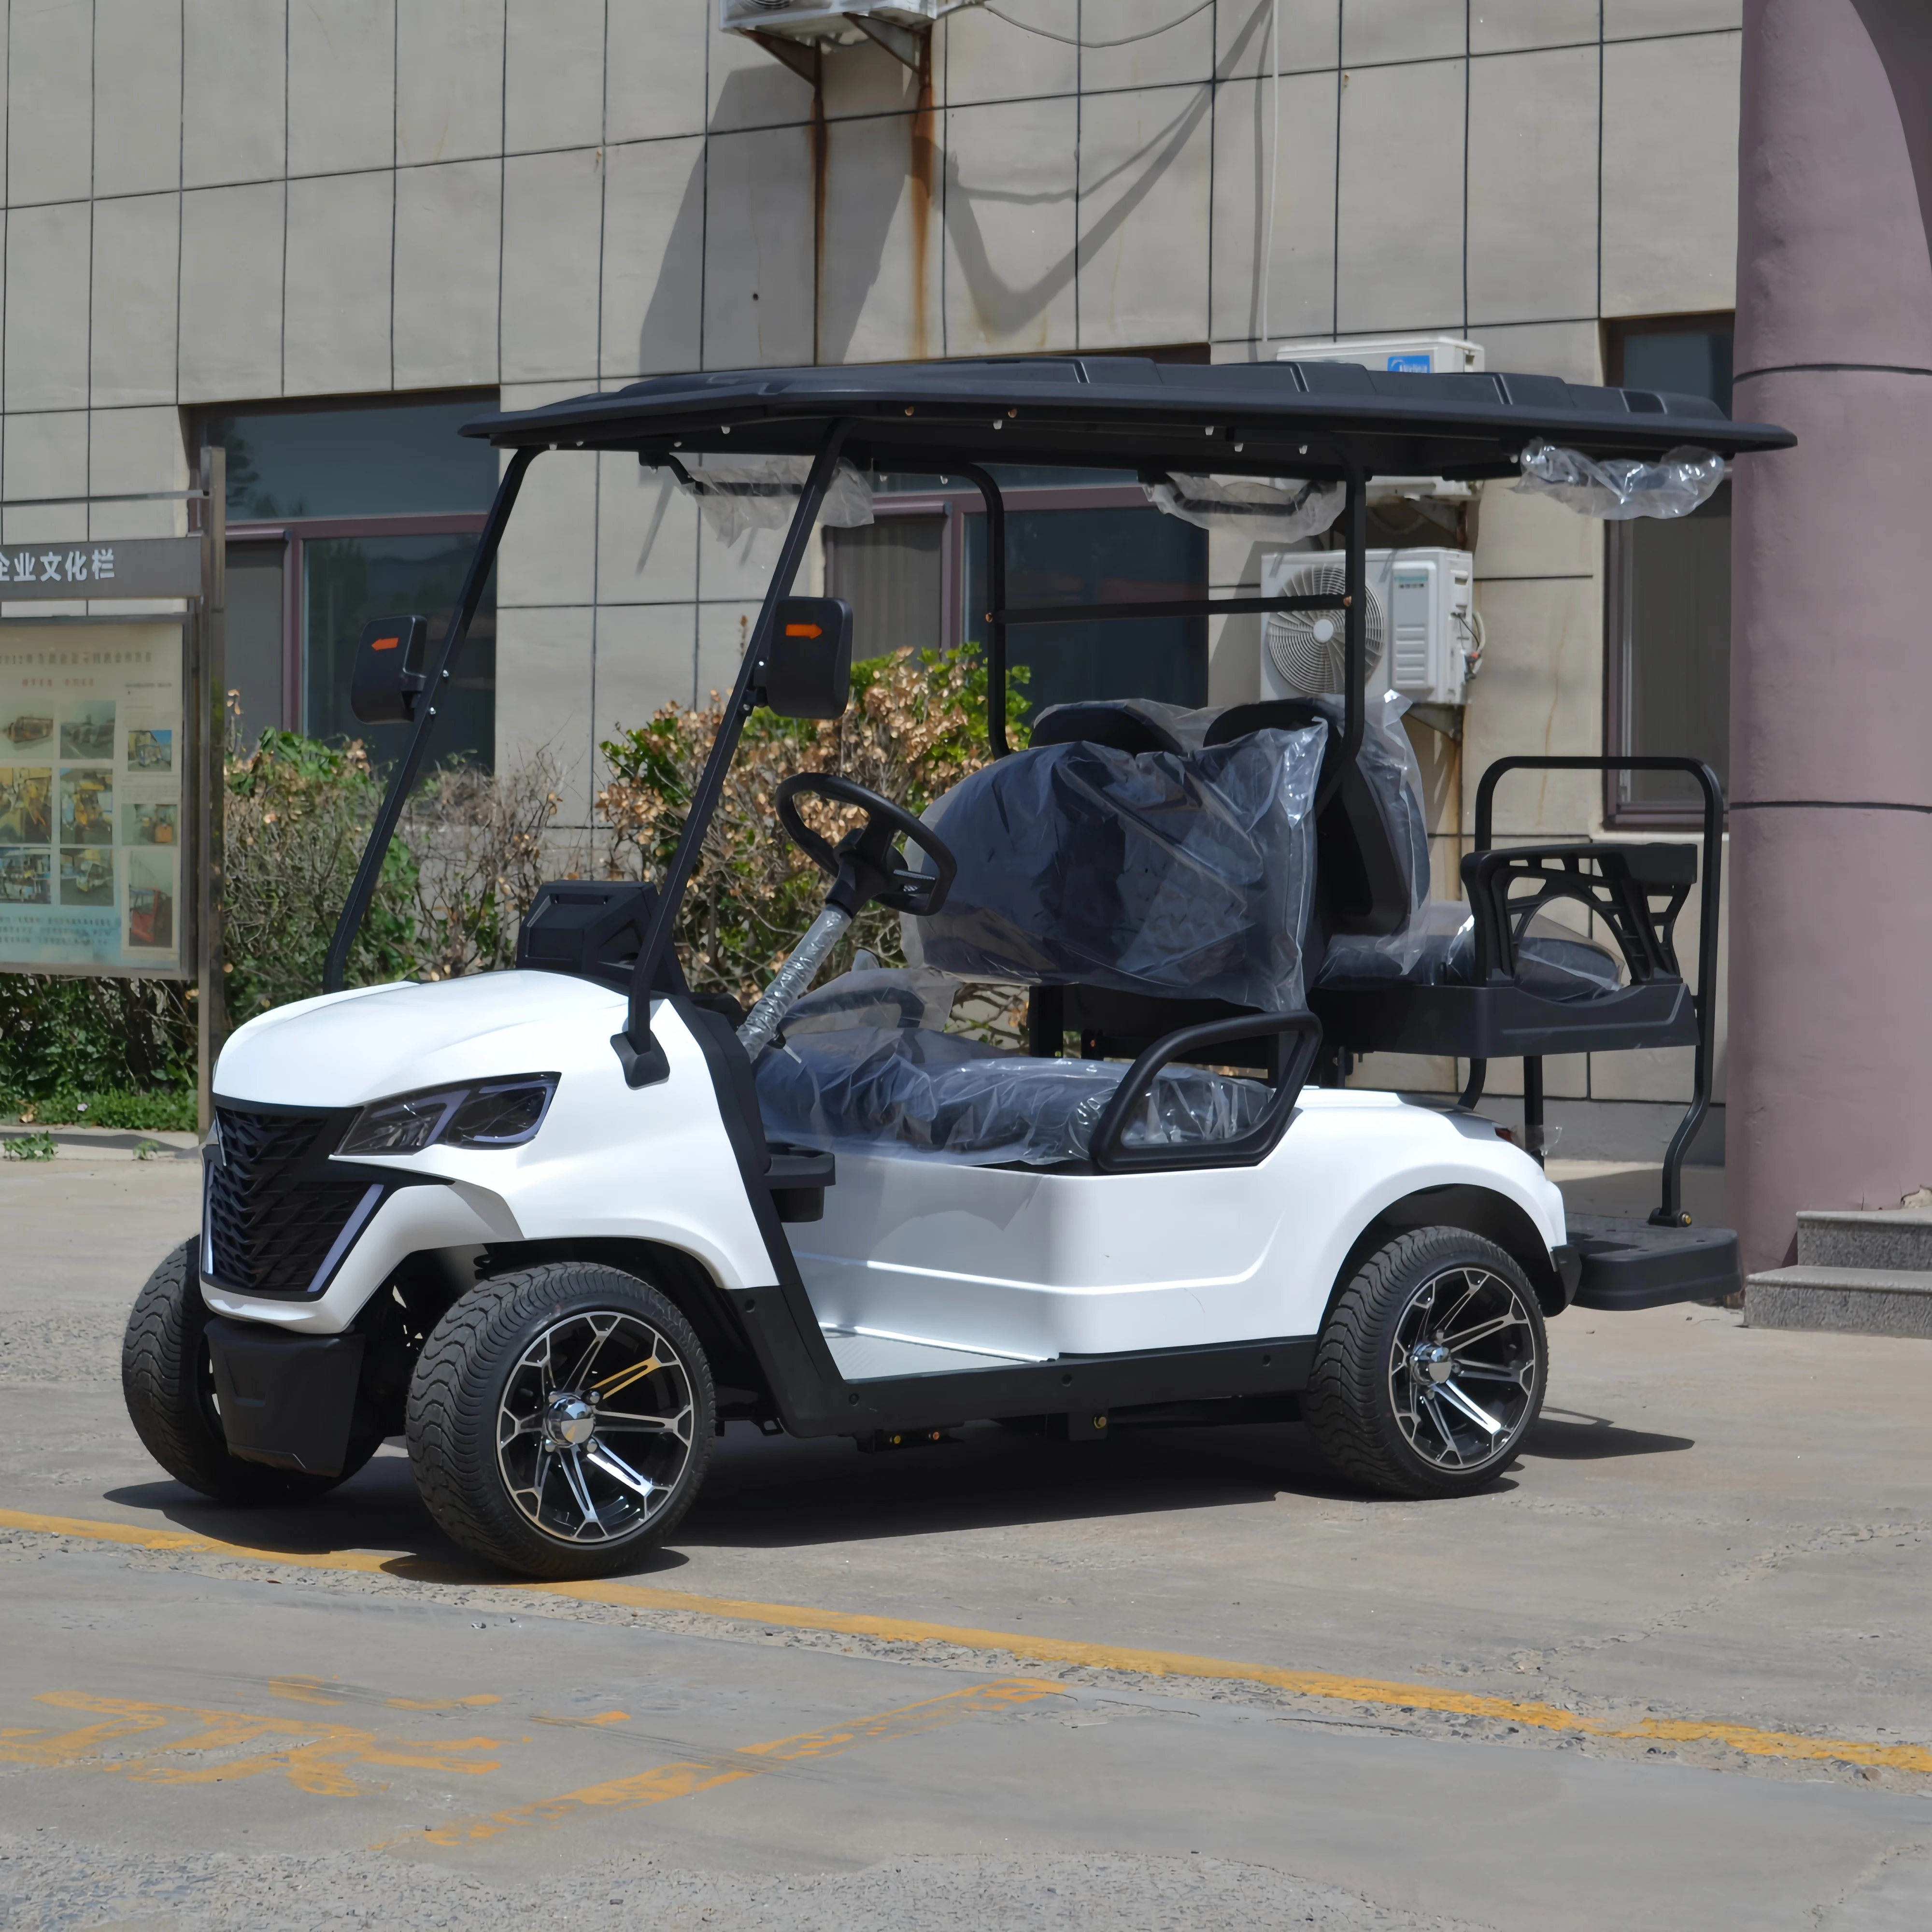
274, 1209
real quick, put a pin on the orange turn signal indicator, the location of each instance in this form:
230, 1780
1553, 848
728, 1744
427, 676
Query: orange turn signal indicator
384, 643
796, 631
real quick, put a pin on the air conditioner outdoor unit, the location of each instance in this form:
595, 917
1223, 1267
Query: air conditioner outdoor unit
1400, 355
1423, 634
816, 20
1411, 354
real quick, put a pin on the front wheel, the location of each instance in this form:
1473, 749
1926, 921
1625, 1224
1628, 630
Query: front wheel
167, 1381
560, 1420
1431, 1368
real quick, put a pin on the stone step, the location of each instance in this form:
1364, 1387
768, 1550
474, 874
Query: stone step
1845, 1300
1888, 1237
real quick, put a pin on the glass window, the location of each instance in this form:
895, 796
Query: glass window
253, 636
372, 509
380, 460
347, 581
1668, 590
891, 573
1098, 556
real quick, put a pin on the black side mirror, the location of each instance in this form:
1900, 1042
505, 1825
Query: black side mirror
807, 668
389, 670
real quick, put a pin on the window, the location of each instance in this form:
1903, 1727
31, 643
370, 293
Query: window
1668, 594
917, 577
338, 514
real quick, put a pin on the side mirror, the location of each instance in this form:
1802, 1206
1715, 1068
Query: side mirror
389, 670
808, 667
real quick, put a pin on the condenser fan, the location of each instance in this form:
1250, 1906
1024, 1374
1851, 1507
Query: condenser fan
1307, 648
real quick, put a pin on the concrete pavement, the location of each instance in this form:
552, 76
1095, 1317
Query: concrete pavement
1713, 1557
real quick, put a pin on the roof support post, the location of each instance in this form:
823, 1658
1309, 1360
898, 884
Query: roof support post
1354, 625
996, 605
408, 768
641, 1060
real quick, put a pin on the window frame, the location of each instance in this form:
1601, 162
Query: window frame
293, 533
1620, 814
955, 503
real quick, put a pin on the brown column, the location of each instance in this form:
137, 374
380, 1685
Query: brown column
1830, 1074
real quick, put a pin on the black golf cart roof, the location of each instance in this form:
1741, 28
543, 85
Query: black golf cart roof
1128, 412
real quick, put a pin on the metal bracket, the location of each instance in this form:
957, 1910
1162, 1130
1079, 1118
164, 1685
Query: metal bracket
906, 45
802, 59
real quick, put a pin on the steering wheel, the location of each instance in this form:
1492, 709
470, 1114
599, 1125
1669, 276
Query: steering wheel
863, 867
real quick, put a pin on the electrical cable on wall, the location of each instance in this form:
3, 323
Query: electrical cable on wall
1126, 40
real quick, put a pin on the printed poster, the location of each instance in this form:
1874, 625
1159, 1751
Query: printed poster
91, 780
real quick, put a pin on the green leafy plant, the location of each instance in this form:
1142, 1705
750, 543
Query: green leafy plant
297, 814
471, 850
165, 1109
27, 1146
60, 1033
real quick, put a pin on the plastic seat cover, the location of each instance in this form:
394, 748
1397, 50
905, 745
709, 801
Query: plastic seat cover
939, 1095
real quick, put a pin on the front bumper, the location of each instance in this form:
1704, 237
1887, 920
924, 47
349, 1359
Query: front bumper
286, 1400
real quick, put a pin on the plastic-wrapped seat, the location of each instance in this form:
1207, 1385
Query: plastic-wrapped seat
864, 1068
1170, 886
1496, 977
1139, 881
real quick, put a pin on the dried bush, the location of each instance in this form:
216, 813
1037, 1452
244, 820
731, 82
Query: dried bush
482, 846
916, 725
299, 813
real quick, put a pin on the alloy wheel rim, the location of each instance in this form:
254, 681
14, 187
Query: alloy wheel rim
1463, 1367
594, 1429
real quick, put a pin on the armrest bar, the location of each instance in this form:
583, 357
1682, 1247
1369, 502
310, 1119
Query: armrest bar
1618, 893
1110, 1154
1670, 1212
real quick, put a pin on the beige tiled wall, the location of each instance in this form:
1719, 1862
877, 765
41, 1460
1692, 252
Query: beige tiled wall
237, 200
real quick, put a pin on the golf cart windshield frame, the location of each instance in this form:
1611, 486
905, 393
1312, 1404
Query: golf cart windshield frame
1329, 422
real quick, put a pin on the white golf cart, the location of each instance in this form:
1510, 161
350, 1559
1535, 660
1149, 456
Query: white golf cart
558, 1225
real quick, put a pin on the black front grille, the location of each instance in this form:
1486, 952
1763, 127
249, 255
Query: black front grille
274, 1208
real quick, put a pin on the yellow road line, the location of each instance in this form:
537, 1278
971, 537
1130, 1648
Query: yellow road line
682, 1780
1027, 1648
314, 1756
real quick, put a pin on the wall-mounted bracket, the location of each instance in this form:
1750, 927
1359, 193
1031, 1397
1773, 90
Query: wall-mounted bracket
906, 45
801, 56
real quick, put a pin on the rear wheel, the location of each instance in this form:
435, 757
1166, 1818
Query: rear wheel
168, 1382
560, 1420
1431, 1368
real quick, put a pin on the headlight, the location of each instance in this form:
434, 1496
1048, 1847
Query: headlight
488, 1114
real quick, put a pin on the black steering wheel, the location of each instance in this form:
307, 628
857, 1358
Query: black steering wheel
864, 869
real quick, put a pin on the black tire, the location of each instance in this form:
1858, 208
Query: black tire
1380, 1413
490, 1491
168, 1384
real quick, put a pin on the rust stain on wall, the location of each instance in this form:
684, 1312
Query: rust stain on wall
924, 171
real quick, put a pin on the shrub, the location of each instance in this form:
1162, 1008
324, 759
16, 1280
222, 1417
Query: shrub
470, 854
915, 726
298, 812
59, 1034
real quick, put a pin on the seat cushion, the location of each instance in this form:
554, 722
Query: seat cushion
1438, 949
943, 1097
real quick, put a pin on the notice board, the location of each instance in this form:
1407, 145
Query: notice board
93, 782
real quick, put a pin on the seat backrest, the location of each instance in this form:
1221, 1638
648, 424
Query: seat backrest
1371, 840
1182, 876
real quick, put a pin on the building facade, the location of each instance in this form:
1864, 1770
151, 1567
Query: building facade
320, 232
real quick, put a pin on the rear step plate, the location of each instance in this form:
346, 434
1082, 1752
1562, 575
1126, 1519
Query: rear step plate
1629, 1263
